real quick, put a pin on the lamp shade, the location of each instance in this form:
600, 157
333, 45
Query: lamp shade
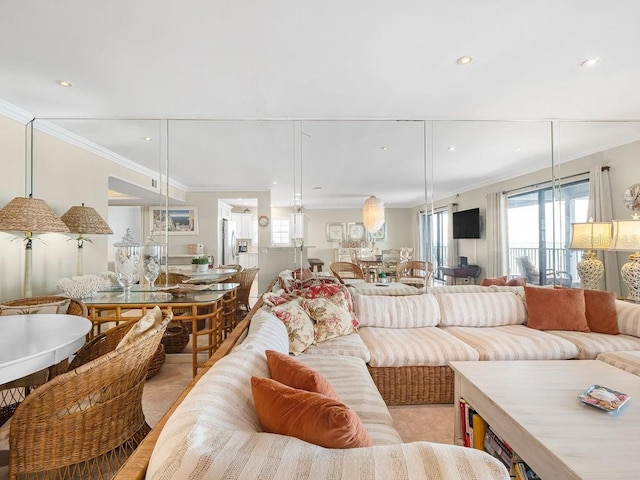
590, 236
373, 214
30, 215
85, 220
626, 235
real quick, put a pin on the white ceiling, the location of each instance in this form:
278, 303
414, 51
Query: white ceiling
347, 70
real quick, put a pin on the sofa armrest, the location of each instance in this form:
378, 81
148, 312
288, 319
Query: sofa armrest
628, 317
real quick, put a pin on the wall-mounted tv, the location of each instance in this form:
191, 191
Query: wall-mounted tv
466, 223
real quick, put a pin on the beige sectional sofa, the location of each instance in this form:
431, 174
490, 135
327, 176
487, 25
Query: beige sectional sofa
215, 432
404, 343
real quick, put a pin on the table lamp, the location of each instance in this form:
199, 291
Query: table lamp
590, 236
626, 237
82, 221
29, 215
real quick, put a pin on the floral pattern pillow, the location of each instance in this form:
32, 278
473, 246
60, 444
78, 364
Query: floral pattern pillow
331, 320
299, 325
335, 293
280, 297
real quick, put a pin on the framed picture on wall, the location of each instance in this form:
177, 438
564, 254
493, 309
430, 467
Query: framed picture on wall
381, 234
335, 232
355, 231
180, 220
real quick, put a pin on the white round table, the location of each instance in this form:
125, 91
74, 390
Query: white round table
29, 343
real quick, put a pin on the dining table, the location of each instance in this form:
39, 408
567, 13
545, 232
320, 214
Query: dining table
30, 343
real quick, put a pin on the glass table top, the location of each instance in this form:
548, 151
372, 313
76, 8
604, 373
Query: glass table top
143, 295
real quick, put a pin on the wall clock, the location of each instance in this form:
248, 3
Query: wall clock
263, 220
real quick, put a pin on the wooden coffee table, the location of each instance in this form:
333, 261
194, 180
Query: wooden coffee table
533, 406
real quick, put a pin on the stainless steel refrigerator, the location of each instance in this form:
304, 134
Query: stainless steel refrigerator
229, 253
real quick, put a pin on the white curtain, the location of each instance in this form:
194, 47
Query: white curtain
601, 210
496, 228
419, 242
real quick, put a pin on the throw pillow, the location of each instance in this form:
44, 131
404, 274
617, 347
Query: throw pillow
309, 416
601, 313
299, 325
517, 282
295, 374
335, 293
331, 320
486, 282
556, 309
52, 307
151, 320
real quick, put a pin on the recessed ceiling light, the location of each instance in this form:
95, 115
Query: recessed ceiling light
317, 188
274, 183
465, 60
451, 148
517, 149
64, 83
590, 62
384, 148
148, 139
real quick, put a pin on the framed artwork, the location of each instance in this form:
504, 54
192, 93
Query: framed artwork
355, 231
335, 232
380, 234
180, 220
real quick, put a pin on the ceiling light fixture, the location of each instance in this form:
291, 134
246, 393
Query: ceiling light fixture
64, 83
590, 62
384, 148
373, 214
465, 60
148, 139
451, 148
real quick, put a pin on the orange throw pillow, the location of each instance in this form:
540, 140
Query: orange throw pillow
295, 374
500, 281
309, 416
601, 313
556, 309
517, 282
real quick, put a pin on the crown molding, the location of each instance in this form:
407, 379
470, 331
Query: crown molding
65, 135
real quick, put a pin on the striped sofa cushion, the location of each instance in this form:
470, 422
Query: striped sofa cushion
458, 289
629, 361
350, 345
481, 310
628, 318
351, 380
266, 332
514, 342
403, 347
393, 288
591, 344
410, 311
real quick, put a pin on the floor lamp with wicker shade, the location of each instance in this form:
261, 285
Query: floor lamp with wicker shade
29, 215
84, 221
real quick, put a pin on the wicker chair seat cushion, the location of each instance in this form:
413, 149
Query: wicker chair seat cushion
514, 342
591, 344
348, 345
408, 311
52, 307
629, 361
482, 310
404, 347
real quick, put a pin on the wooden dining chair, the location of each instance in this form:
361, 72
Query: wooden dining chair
86, 422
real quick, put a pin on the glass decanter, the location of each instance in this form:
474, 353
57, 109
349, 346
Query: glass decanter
151, 257
127, 262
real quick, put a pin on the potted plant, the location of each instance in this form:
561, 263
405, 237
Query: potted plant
200, 264
382, 277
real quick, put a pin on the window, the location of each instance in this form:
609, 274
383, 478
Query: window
280, 228
435, 232
533, 218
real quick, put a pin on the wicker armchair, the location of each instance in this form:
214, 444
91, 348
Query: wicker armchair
245, 278
415, 273
86, 422
346, 271
11, 394
171, 279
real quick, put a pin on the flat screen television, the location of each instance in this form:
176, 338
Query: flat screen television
466, 223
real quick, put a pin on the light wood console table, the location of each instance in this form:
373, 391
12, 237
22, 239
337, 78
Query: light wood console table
533, 406
213, 311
